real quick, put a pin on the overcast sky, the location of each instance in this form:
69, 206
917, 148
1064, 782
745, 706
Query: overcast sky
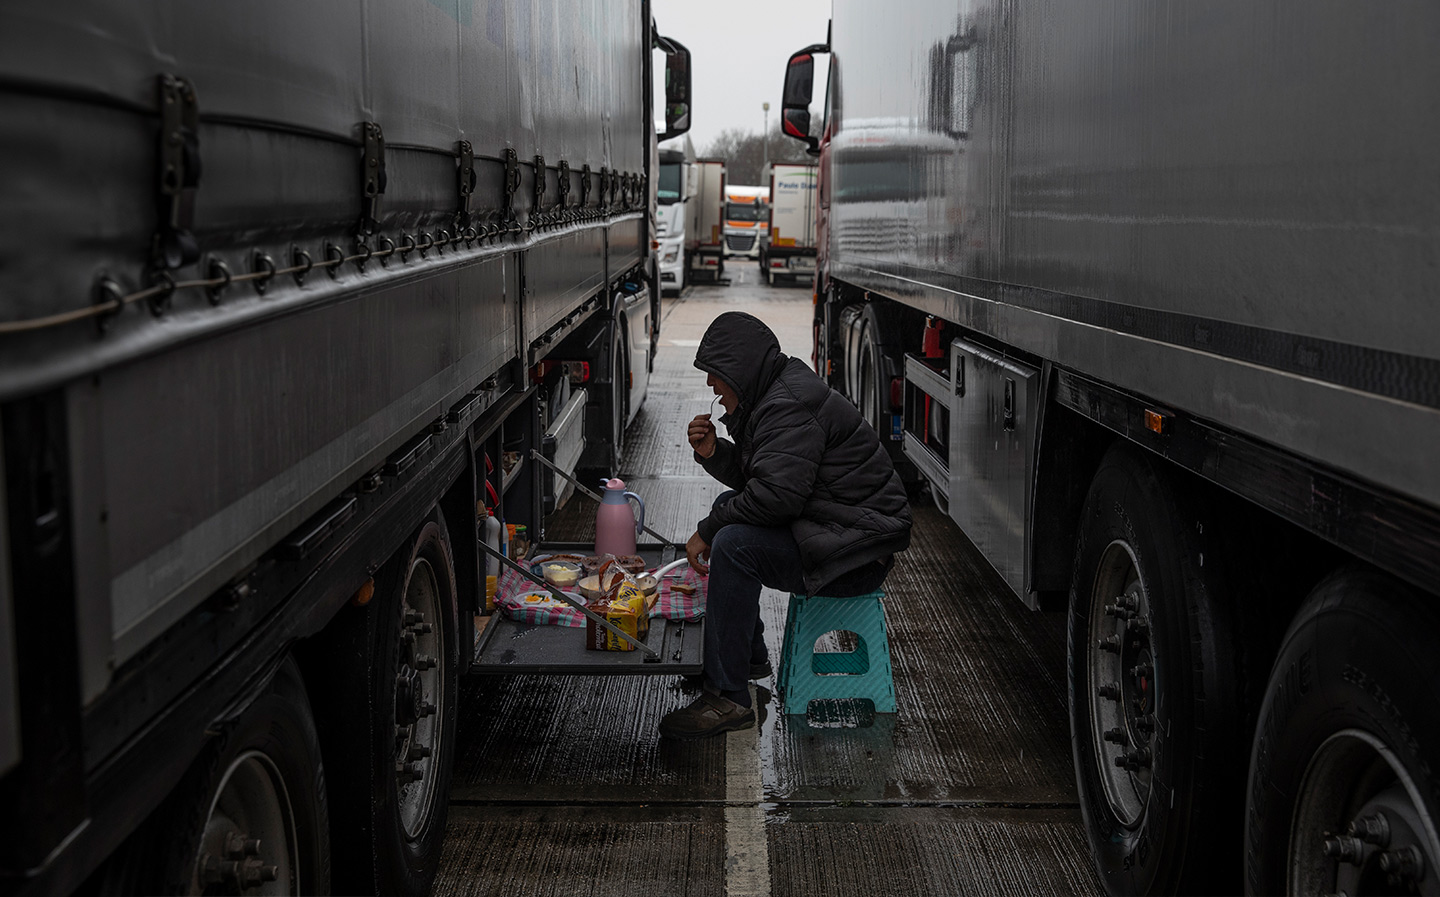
738, 51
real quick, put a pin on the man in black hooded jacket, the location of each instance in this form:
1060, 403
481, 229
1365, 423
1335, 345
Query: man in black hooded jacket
815, 506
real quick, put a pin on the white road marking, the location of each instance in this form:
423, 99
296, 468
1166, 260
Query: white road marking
747, 852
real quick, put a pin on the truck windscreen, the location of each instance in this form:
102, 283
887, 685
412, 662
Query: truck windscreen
875, 181
668, 189
743, 211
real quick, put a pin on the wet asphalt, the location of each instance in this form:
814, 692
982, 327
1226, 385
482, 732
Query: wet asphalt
563, 786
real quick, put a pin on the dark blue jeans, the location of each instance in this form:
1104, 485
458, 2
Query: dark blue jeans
744, 558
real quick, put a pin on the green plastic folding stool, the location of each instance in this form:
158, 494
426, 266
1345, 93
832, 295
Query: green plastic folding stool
806, 676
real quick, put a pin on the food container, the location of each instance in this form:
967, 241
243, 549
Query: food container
630, 563
560, 574
590, 588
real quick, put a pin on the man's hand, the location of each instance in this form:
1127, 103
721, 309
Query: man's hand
702, 437
698, 551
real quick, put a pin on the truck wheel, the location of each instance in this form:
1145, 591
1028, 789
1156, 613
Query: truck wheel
250, 816
390, 729
1156, 721
1343, 795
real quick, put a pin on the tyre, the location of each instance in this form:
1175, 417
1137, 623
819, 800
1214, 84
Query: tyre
873, 385
1343, 795
389, 730
1155, 687
249, 817
619, 398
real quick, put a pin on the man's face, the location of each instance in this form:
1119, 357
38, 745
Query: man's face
728, 399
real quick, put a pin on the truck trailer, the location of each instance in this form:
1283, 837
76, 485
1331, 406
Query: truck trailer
1147, 297
787, 245
704, 237
288, 297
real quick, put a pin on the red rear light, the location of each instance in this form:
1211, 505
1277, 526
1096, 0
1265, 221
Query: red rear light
897, 392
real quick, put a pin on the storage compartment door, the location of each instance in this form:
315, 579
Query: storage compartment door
993, 417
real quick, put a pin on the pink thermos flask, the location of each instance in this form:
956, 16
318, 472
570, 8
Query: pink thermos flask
615, 523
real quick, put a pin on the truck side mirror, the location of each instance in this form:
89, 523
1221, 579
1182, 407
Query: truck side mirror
677, 87
795, 98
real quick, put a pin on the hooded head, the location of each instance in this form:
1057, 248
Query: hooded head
740, 350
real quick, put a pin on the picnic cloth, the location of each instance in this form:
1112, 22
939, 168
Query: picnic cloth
512, 588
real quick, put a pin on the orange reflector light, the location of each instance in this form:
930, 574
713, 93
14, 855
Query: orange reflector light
363, 595
1154, 421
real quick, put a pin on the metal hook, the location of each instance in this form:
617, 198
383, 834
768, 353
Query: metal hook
298, 256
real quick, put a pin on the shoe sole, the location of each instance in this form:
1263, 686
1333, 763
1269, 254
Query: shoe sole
710, 733
761, 672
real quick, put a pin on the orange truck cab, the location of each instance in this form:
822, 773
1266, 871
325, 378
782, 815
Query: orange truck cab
747, 218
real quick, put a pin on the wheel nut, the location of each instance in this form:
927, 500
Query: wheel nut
408, 772
413, 617
424, 662
1110, 644
426, 709
1134, 760
1345, 849
1116, 736
237, 846
1140, 670
1109, 690
417, 752
1405, 865
1372, 829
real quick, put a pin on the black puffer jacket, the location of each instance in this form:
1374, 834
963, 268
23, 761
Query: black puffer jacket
802, 456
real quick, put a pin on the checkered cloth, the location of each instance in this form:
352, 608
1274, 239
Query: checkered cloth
511, 589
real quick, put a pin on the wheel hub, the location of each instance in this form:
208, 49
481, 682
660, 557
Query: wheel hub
1123, 693
249, 843
418, 695
1386, 846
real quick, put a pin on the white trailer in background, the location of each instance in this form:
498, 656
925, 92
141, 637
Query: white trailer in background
788, 249
704, 243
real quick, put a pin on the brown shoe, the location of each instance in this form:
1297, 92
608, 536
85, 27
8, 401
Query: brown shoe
707, 715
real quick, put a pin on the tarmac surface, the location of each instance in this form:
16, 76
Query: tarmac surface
563, 786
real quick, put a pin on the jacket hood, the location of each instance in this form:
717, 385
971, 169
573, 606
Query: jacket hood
740, 350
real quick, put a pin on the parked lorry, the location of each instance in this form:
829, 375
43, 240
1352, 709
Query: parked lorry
287, 295
1148, 295
704, 240
747, 218
674, 191
787, 247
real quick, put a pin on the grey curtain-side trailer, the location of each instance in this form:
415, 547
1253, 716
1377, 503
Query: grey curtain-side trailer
1146, 293
281, 285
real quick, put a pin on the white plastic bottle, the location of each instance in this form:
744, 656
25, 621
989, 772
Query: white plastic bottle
491, 535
